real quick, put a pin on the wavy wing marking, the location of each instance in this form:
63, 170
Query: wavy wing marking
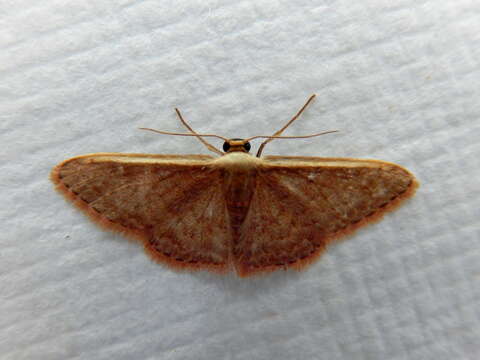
173, 204
301, 204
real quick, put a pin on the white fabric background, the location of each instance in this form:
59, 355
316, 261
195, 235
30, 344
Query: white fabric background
400, 79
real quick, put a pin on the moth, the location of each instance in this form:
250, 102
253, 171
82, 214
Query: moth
235, 211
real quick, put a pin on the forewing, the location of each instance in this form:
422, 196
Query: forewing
301, 204
173, 204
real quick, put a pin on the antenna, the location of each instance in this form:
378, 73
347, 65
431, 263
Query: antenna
262, 145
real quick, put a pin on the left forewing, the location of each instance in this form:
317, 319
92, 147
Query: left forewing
173, 204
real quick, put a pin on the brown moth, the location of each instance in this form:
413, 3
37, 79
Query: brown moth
251, 213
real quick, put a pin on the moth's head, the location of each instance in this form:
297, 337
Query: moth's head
232, 145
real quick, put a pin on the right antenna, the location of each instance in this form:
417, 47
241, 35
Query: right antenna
262, 145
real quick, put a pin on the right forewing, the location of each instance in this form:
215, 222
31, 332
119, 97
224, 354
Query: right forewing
301, 204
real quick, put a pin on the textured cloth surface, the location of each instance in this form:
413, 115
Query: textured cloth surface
399, 79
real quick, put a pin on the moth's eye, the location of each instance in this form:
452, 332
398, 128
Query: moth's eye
226, 146
247, 146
